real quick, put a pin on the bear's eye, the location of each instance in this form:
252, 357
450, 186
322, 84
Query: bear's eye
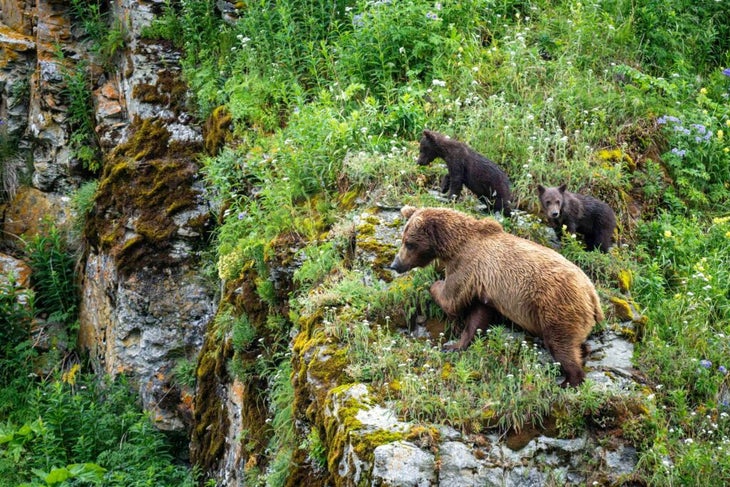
409, 245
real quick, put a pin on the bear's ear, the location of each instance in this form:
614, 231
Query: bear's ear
540, 189
562, 188
408, 210
429, 134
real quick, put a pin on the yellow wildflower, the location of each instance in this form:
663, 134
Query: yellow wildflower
69, 377
727, 234
727, 122
667, 234
720, 134
703, 91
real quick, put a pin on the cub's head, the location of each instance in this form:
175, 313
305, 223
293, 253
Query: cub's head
429, 148
551, 200
417, 248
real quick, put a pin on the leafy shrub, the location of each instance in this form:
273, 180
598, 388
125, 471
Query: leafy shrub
16, 312
108, 40
82, 202
53, 277
80, 113
86, 431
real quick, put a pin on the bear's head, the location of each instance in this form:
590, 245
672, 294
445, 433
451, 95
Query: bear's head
418, 246
430, 147
551, 200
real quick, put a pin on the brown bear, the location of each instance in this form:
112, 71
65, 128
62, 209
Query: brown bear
466, 167
486, 267
582, 214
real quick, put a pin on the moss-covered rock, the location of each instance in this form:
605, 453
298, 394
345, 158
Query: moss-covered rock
147, 200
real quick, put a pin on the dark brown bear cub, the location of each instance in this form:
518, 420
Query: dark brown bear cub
466, 168
582, 214
489, 270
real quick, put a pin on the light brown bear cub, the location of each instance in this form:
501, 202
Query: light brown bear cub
486, 267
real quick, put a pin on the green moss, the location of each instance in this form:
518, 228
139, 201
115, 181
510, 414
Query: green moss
625, 280
143, 185
348, 200
216, 131
622, 308
366, 229
367, 443
338, 429
382, 253
210, 420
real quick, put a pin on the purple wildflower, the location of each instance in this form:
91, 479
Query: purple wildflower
726, 71
699, 128
722, 369
705, 363
432, 16
357, 20
679, 152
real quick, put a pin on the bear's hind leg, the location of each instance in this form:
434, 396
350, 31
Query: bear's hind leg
570, 359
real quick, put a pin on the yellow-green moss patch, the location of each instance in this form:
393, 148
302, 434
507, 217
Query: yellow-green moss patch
143, 185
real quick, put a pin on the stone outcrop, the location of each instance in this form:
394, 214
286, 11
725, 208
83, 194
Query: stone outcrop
145, 300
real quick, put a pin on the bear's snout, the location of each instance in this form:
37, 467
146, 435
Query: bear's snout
397, 265
554, 214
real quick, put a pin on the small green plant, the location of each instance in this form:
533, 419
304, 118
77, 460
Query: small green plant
82, 202
283, 439
167, 26
80, 112
16, 312
74, 430
699, 160
53, 278
184, 373
108, 41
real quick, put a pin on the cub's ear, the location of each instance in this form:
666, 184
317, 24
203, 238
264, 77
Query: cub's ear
408, 210
562, 188
540, 189
429, 134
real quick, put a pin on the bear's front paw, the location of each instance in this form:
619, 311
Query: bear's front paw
436, 288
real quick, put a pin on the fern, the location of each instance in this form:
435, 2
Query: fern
53, 277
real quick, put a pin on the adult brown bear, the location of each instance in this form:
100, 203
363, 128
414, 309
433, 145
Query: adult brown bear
466, 168
486, 267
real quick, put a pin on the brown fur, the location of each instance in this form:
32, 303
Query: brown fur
582, 214
466, 167
533, 286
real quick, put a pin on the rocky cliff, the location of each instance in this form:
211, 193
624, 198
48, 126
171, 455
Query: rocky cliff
145, 298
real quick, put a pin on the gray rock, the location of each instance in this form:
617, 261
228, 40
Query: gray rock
403, 464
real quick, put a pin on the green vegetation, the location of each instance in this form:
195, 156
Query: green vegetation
58, 425
326, 102
107, 40
77, 91
314, 111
